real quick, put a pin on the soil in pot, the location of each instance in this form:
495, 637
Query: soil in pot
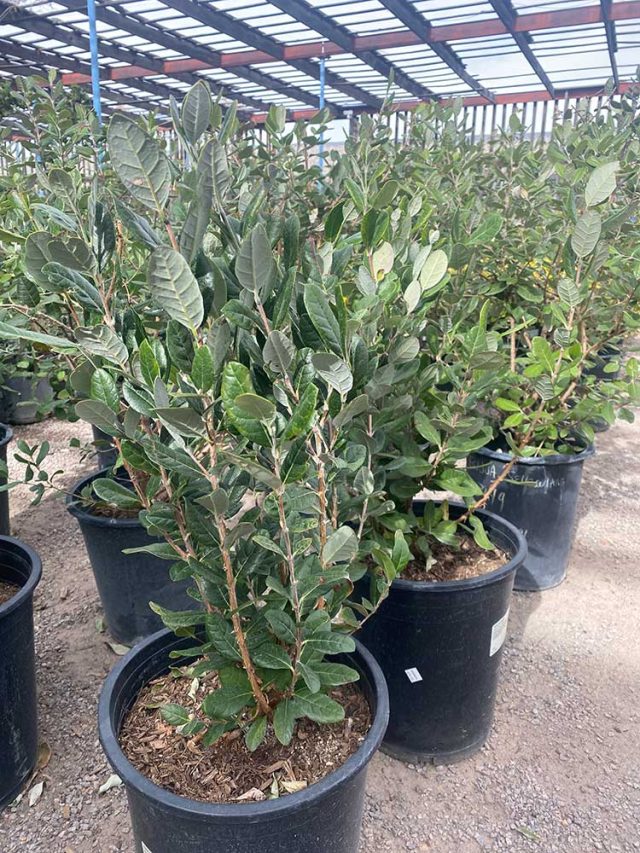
20, 571
324, 817
126, 582
439, 645
227, 772
449, 564
540, 497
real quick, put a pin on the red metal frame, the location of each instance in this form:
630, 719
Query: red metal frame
384, 41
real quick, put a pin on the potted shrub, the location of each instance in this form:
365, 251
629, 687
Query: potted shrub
544, 419
20, 571
229, 408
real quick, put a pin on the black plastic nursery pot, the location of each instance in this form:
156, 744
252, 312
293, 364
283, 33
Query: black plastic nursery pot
439, 645
106, 453
127, 582
6, 434
21, 566
323, 818
28, 393
540, 497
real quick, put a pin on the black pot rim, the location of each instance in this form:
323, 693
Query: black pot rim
237, 812
88, 517
34, 575
551, 459
464, 584
7, 434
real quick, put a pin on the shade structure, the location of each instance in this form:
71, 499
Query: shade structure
262, 53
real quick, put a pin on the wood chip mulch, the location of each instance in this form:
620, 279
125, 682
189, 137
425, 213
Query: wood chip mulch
467, 561
7, 591
227, 772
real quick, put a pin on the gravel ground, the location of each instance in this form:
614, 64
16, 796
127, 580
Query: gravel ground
561, 771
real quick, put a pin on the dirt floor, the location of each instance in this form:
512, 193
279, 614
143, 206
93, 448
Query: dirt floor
561, 771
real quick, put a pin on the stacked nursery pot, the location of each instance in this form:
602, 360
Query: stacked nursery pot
20, 571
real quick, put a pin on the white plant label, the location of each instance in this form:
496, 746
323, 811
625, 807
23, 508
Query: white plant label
498, 634
413, 675
145, 849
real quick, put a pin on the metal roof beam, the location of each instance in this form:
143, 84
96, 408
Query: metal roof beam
224, 23
418, 24
209, 58
507, 14
612, 41
300, 11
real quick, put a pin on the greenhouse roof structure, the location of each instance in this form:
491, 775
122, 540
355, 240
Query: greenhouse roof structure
302, 54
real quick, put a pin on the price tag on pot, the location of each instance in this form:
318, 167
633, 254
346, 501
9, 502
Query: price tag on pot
498, 634
413, 675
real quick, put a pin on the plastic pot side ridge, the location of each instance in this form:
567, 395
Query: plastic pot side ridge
6, 434
323, 818
540, 497
439, 645
20, 565
127, 582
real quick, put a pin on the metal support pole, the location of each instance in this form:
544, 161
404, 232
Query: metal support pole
95, 67
322, 87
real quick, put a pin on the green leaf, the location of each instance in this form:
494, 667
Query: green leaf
104, 342
221, 636
105, 389
202, 370
331, 643
174, 287
139, 162
335, 674
479, 533
174, 714
385, 194
116, 494
318, 707
542, 352
254, 406
262, 475
99, 414
173, 459
488, 229
322, 317
140, 401
426, 428
272, 656
255, 265
333, 370
341, 546
601, 184
149, 366
434, 269
586, 233
196, 111
303, 415
311, 679
278, 352
282, 625
13, 333
459, 482
268, 544
64, 280
227, 701
506, 405
256, 734
569, 293
180, 345
184, 420
236, 380
358, 406
284, 720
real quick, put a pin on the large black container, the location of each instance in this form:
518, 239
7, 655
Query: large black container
106, 453
18, 700
127, 582
540, 496
439, 645
324, 818
6, 434
26, 394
